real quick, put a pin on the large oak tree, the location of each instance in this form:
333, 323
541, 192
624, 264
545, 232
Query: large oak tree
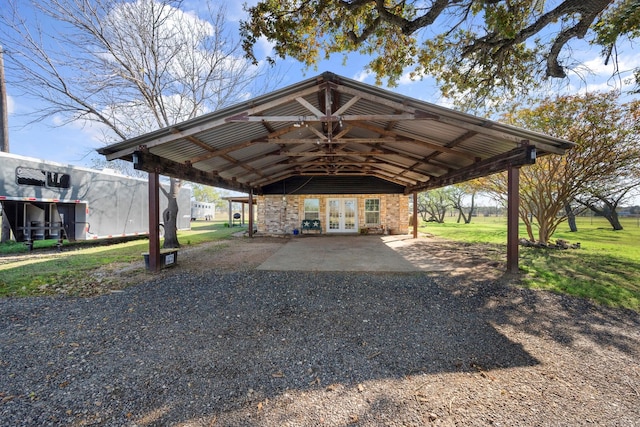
484, 47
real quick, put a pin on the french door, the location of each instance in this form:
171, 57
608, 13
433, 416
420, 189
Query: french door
342, 215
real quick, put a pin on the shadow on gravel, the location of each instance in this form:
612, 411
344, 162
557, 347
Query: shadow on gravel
564, 319
193, 347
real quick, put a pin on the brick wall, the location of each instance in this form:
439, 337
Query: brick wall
281, 214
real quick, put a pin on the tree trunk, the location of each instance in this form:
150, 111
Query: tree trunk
6, 229
612, 217
571, 218
170, 215
543, 230
467, 220
529, 228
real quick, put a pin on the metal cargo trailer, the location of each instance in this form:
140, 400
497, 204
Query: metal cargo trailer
47, 200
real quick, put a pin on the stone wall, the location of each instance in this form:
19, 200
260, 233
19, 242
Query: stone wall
282, 214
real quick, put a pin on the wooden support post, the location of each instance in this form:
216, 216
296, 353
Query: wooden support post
251, 213
230, 213
242, 206
154, 221
415, 215
513, 204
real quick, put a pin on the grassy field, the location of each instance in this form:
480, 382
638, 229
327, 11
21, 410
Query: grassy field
45, 271
605, 269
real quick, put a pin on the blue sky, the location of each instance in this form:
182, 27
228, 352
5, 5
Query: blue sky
75, 143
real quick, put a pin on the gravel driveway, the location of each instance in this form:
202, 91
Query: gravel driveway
242, 347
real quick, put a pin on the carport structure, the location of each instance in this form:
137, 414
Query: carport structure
341, 132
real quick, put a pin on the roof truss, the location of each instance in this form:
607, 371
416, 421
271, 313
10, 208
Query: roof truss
333, 126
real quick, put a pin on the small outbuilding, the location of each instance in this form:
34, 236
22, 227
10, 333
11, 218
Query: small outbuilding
339, 152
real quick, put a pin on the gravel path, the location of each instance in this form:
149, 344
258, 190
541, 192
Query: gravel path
256, 348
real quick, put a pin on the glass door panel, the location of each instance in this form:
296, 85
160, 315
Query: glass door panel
334, 214
342, 215
350, 209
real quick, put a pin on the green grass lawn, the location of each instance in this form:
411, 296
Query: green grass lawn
606, 268
38, 274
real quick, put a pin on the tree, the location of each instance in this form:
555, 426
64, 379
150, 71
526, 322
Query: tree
459, 194
607, 151
605, 200
433, 204
130, 66
487, 48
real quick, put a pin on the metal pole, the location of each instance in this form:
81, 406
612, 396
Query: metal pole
513, 202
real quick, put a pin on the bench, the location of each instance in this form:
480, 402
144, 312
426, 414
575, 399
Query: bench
311, 225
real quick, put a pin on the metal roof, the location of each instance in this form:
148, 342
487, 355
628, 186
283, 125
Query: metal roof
334, 126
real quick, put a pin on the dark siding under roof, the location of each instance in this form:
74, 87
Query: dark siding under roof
332, 185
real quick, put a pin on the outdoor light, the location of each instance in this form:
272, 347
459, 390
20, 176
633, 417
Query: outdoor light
531, 154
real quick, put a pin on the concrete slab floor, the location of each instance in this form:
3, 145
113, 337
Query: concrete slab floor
351, 253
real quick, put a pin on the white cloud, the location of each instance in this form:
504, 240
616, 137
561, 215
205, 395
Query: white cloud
594, 75
362, 75
263, 48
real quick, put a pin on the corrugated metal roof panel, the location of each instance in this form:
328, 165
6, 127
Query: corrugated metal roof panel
369, 130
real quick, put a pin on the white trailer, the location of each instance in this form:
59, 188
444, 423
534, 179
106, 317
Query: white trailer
47, 200
202, 210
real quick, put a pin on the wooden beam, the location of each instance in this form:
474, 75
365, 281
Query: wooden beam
199, 143
486, 129
520, 156
309, 171
221, 152
413, 139
148, 162
306, 104
350, 103
337, 154
177, 133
